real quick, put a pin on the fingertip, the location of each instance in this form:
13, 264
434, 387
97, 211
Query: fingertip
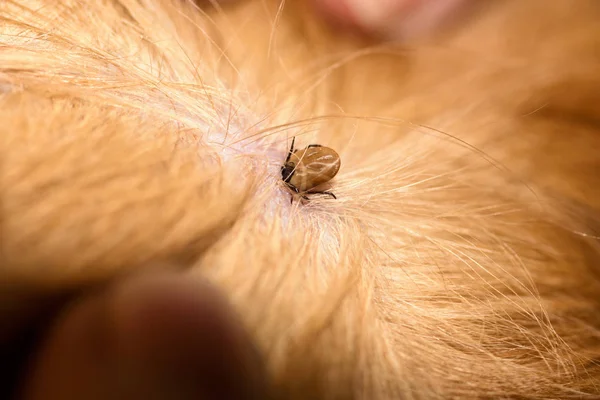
159, 336
393, 19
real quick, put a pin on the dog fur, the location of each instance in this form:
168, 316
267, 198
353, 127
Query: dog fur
461, 258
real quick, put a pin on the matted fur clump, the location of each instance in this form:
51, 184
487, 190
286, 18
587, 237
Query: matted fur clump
461, 259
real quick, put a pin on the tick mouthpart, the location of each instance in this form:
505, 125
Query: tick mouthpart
286, 172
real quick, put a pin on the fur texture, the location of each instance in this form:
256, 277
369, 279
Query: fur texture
461, 259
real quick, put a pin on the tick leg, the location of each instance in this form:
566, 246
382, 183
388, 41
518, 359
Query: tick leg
327, 193
301, 195
291, 151
295, 189
313, 145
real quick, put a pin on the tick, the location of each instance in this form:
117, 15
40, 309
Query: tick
307, 168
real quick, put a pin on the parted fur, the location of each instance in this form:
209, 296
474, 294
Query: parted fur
461, 258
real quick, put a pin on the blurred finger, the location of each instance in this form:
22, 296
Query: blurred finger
160, 337
394, 19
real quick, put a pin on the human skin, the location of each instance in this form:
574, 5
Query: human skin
393, 19
170, 337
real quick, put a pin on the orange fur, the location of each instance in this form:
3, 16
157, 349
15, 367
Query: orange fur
461, 258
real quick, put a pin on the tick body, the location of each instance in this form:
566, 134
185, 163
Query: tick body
307, 168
